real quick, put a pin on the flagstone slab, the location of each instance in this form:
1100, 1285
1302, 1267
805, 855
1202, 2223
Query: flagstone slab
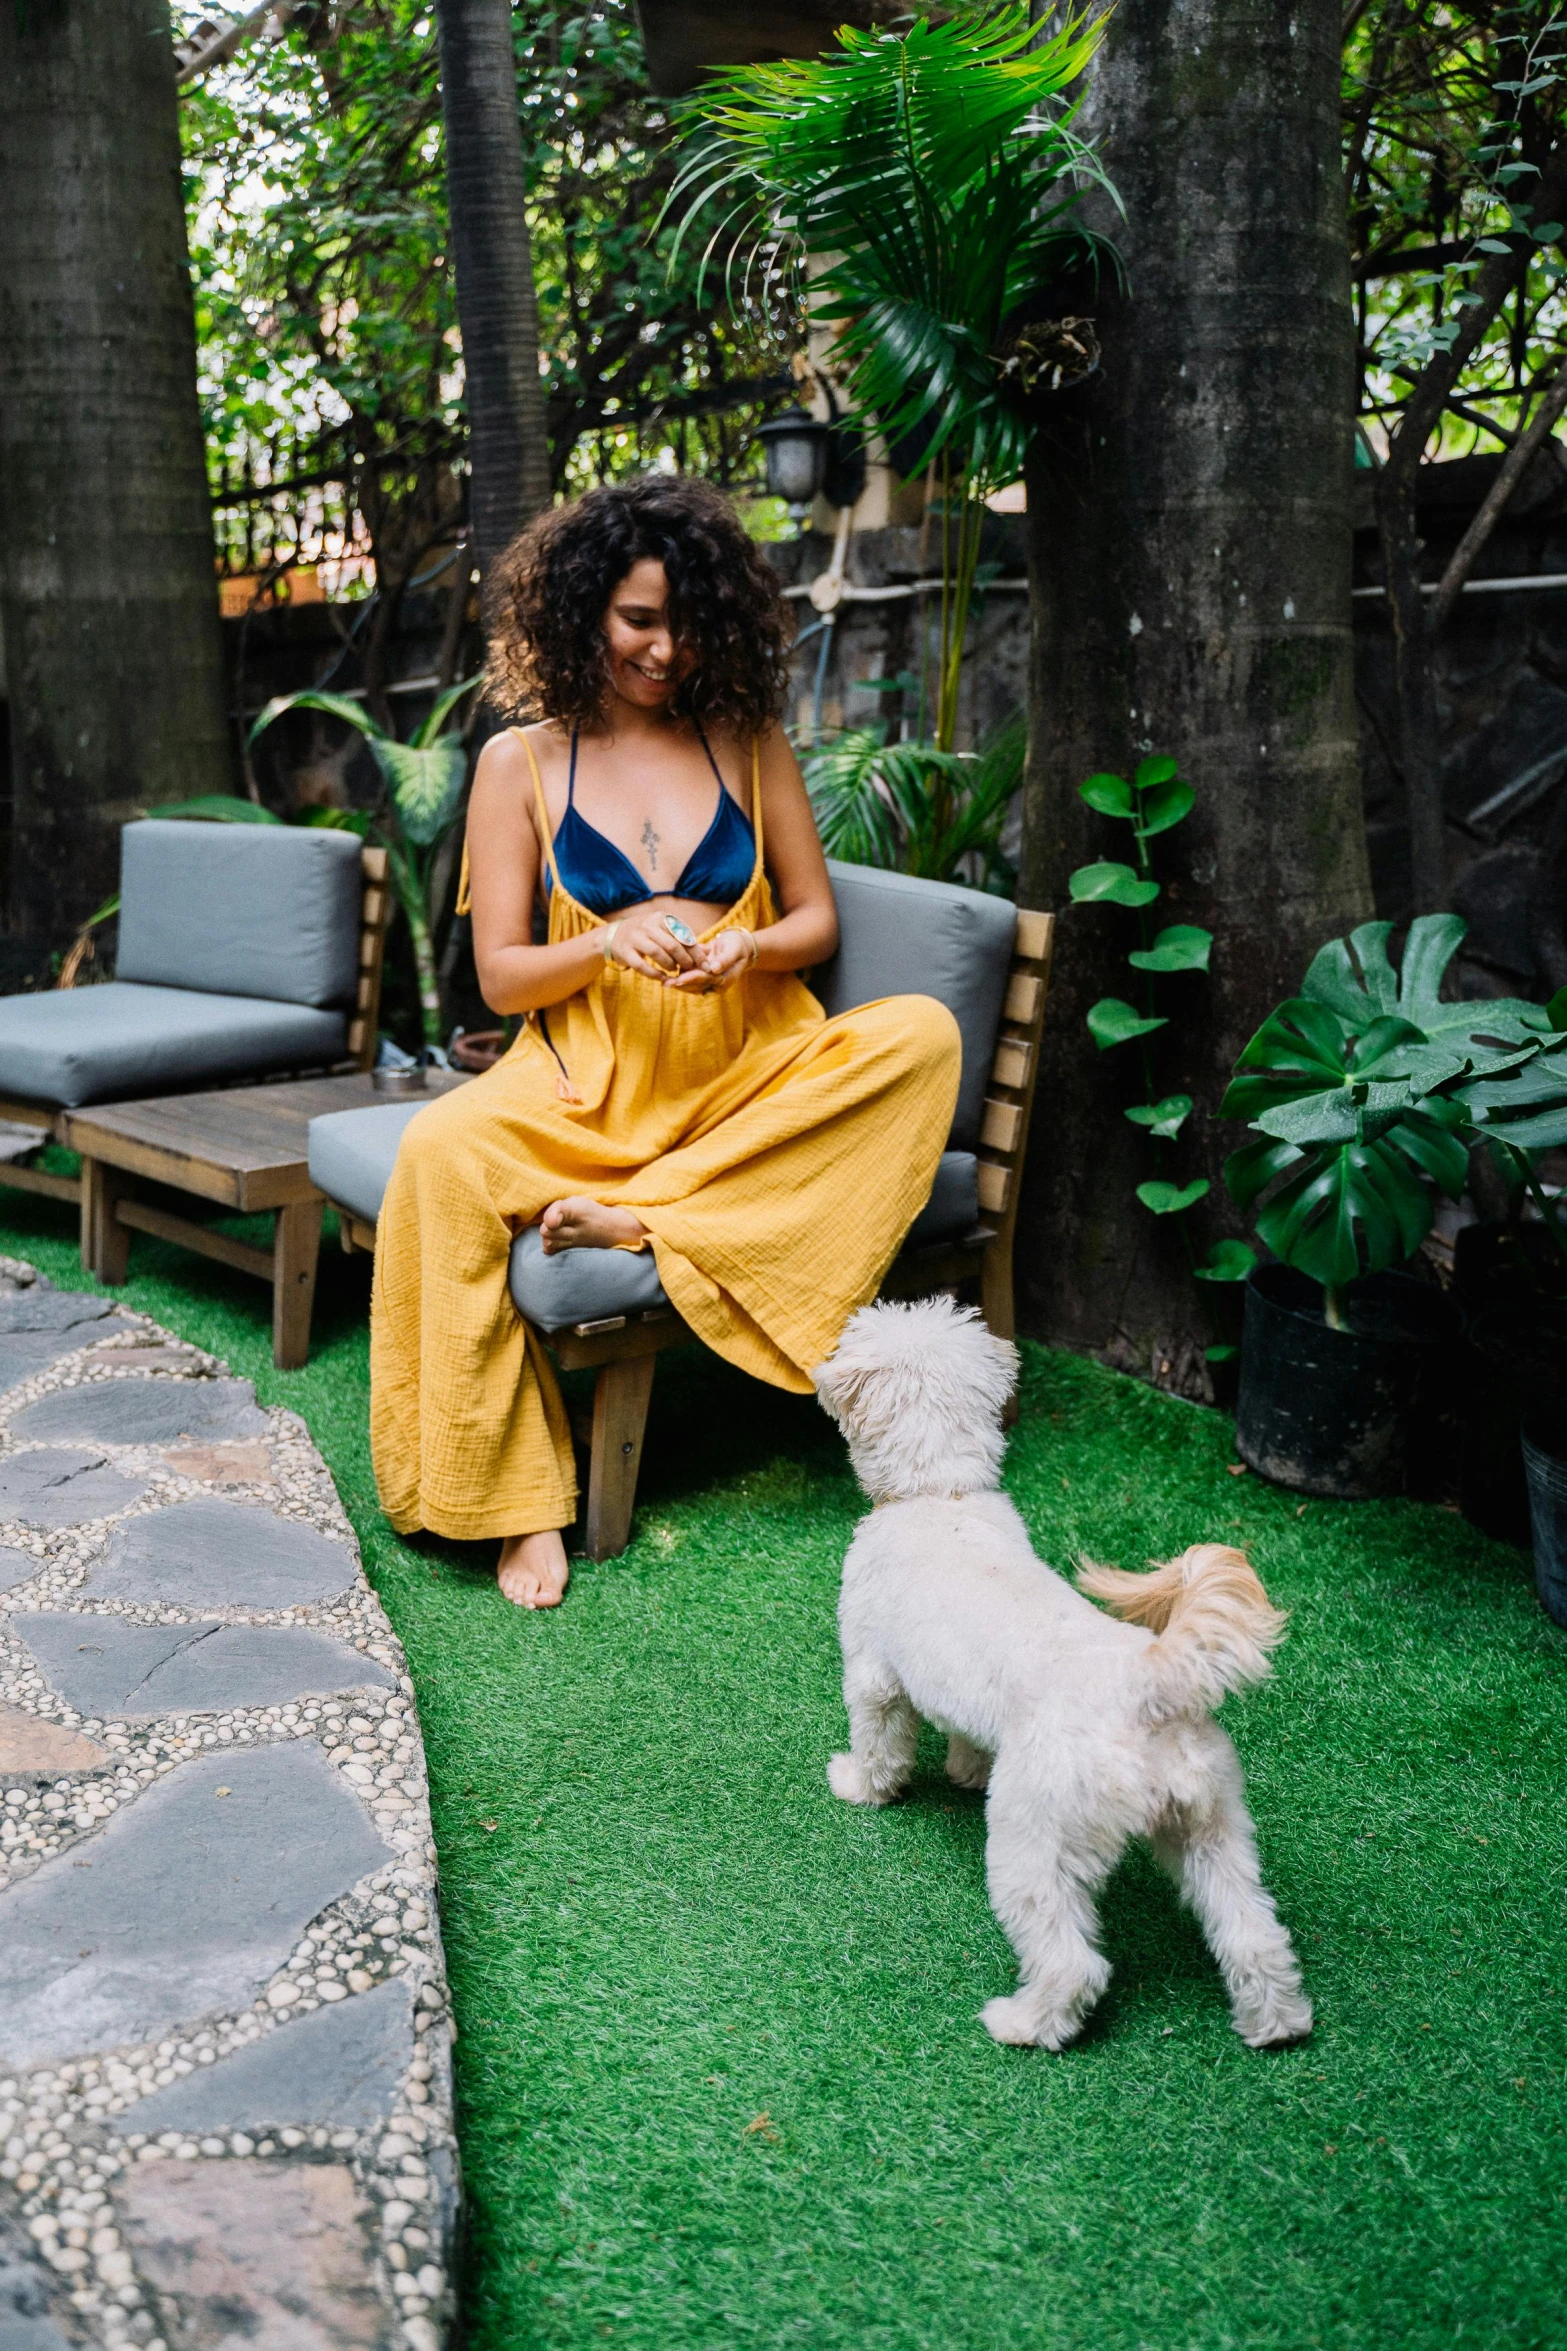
144, 1410
16, 1567
259, 2257
343, 2065
22, 1353
191, 1904
33, 1749
105, 1665
39, 1309
235, 1463
57, 1486
25, 2324
210, 1554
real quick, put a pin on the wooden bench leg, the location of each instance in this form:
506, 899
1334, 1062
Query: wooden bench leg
995, 1304
296, 1247
620, 1402
106, 1243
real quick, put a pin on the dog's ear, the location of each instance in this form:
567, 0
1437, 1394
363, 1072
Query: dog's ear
837, 1384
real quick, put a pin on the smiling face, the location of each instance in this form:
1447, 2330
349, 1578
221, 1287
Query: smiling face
645, 662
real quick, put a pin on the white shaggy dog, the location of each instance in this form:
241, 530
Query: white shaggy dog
1087, 1731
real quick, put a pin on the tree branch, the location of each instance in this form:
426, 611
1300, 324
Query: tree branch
1511, 471
1495, 282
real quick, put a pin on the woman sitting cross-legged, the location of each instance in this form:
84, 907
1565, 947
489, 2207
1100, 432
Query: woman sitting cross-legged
676, 1086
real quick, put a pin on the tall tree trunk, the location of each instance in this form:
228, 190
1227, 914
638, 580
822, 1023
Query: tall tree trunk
1190, 537
507, 438
107, 593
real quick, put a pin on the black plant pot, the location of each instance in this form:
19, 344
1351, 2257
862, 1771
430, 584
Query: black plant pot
1514, 1361
1544, 1446
1332, 1412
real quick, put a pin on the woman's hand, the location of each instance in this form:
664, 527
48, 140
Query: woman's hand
719, 963
643, 941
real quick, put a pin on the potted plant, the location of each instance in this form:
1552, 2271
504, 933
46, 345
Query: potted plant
1366, 1093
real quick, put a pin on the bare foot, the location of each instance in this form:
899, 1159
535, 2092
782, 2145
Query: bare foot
532, 1570
583, 1224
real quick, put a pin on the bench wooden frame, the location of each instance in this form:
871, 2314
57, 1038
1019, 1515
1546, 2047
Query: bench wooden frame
623, 1349
363, 1022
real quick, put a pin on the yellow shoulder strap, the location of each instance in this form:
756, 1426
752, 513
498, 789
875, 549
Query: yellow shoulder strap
546, 839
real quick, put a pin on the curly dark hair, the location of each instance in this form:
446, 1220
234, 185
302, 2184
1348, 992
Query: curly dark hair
550, 589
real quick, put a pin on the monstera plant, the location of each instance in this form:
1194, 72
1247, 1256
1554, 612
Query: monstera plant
423, 785
1366, 1092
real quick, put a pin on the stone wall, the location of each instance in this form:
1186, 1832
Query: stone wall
1502, 687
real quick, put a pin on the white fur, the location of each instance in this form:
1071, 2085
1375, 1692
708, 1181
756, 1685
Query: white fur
1085, 1730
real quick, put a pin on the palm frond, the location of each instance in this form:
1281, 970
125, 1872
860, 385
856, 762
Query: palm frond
930, 174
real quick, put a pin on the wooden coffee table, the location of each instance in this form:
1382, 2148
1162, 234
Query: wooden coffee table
243, 1147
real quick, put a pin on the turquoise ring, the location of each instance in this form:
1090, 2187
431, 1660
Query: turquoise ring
680, 930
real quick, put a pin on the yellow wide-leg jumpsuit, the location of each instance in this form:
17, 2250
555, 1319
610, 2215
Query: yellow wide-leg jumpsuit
776, 1158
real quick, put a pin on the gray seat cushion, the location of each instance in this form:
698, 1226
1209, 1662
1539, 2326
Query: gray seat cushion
902, 937
581, 1285
79, 1045
350, 1153
241, 909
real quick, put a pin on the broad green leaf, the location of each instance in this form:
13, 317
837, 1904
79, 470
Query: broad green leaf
1546, 1130
1181, 946
1164, 1118
1163, 807
1154, 771
1556, 1010
1437, 1149
426, 786
1111, 795
1250, 1170
1171, 1199
1357, 1208
1312, 1120
1382, 1039
217, 808
352, 713
1228, 1261
1301, 1049
445, 704
1222, 1351
1110, 1022
1117, 883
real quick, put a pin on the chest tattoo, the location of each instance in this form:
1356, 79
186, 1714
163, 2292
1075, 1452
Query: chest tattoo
650, 841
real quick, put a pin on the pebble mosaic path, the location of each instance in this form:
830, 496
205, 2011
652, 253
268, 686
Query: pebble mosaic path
225, 2039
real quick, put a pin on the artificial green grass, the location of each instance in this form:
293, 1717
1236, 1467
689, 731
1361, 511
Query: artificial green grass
720, 2076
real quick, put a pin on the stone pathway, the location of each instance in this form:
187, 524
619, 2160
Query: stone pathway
225, 2077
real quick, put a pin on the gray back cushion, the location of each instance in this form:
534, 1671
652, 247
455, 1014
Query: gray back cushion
241, 909
902, 937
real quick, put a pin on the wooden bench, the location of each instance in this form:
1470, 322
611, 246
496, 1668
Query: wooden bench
623, 1349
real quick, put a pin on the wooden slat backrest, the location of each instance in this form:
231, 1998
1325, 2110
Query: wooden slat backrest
375, 907
1014, 1071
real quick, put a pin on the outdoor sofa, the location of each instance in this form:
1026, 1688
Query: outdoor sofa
245, 951
985, 959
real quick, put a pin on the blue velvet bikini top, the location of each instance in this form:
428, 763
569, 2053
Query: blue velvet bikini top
603, 879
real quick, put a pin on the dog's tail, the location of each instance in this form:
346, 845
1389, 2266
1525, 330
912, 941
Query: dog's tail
1215, 1624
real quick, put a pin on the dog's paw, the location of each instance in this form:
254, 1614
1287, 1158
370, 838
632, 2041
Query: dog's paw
851, 1782
1276, 2022
967, 1766
1017, 2024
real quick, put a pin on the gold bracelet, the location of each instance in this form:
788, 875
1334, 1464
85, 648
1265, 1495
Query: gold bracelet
751, 940
609, 945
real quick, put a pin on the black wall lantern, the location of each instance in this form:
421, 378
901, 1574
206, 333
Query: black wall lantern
795, 445
807, 459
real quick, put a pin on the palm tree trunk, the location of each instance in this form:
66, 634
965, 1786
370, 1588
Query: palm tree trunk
108, 601
508, 441
1190, 530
